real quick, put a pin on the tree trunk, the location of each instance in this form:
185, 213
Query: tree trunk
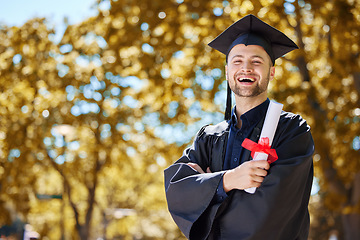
351, 221
84, 233
351, 225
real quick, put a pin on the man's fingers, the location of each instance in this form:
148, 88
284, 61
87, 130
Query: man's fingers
260, 164
257, 179
260, 172
196, 167
247, 175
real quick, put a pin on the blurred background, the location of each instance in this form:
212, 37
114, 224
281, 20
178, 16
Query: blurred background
97, 98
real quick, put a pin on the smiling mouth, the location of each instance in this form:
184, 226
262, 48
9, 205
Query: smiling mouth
246, 80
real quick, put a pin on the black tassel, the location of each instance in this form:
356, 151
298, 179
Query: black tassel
228, 103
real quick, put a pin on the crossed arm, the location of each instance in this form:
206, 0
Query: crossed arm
247, 175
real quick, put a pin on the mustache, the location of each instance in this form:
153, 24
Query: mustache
244, 74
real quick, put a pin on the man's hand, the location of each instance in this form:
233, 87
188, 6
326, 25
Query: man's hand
198, 168
247, 175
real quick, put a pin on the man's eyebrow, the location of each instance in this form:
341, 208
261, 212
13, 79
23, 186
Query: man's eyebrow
258, 56
237, 55
253, 56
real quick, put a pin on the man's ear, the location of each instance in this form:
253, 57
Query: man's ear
272, 72
226, 75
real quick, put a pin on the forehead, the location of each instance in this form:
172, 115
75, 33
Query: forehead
248, 51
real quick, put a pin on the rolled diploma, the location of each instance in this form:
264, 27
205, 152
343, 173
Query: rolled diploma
270, 124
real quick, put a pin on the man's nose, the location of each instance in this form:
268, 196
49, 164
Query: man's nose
247, 67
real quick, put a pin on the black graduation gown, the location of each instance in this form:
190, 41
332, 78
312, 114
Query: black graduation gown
277, 210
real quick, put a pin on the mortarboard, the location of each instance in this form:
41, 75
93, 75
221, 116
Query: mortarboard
250, 30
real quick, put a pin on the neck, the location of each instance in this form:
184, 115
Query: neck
244, 104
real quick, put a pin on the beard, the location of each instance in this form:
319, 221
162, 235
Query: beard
256, 89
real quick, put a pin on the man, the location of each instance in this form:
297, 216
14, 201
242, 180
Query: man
205, 187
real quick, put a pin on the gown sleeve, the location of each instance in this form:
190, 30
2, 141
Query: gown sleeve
188, 192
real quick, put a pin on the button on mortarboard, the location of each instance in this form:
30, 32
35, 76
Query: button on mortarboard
250, 30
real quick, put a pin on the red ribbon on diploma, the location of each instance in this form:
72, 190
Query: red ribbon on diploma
263, 147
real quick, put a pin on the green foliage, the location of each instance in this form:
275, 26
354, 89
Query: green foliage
86, 118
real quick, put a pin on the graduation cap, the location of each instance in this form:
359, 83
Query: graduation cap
250, 30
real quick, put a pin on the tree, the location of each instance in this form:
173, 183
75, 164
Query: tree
101, 110
23, 111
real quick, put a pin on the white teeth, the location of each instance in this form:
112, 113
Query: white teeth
246, 79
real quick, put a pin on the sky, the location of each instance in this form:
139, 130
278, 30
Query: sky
17, 12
